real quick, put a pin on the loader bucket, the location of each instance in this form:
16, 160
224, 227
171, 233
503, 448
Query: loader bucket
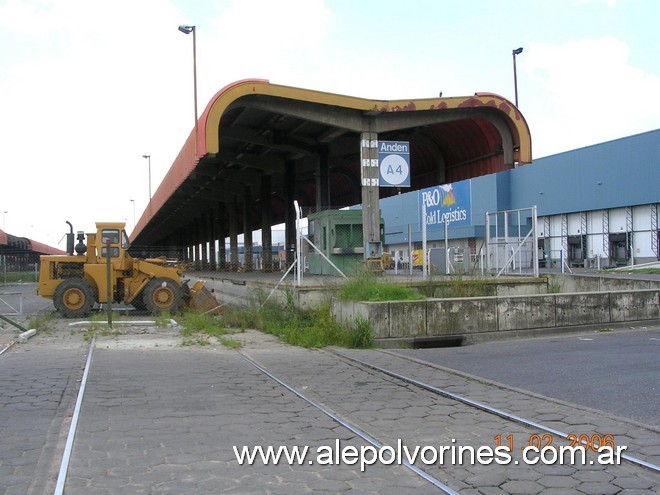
201, 298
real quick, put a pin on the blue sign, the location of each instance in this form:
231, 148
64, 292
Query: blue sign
448, 203
394, 163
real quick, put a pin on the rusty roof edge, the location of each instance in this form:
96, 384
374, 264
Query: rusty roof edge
209, 137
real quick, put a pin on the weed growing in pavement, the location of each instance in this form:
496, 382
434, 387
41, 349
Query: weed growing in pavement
366, 287
42, 323
554, 287
230, 343
361, 337
460, 286
199, 328
313, 328
99, 325
163, 319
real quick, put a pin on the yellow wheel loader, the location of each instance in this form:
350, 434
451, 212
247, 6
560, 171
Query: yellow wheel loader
76, 281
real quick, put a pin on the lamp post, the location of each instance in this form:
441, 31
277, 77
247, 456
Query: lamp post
133, 201
187, 30
4, 221
515, 52
148, 157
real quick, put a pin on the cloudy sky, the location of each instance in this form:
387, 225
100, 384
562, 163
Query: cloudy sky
88, 86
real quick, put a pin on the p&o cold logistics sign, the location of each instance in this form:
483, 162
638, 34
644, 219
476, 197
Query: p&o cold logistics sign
394, 163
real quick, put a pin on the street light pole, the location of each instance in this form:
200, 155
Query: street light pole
148, 157
187, 30
133, 201
4, 221
515, 52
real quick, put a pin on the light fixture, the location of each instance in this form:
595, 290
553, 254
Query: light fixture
185, 29
148, 157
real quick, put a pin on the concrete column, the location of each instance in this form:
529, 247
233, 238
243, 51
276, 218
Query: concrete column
323, 180
197, 241
204, 240
211, 226
233, 236
289, 212
179, 240
266, 223
184, 239
247, 230
370, 192
221, 230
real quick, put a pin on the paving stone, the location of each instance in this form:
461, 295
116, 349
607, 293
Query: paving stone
158, 421
596, 488
523, 487
558, 482
631, 483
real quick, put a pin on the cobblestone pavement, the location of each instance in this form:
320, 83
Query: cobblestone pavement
37, 392
159, 417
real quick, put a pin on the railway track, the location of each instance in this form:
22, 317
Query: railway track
492, 410
392, 403
506, 425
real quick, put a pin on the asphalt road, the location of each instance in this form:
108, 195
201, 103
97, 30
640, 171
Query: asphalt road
616, 371
13, 295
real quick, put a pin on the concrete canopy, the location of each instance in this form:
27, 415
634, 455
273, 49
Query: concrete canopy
260, 145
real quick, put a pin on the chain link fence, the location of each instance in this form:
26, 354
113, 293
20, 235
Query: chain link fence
19, 266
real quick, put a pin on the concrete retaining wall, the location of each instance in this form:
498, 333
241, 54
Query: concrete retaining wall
239, 291
593, 283
479, 316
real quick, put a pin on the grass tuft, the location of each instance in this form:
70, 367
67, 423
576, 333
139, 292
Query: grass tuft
366, 287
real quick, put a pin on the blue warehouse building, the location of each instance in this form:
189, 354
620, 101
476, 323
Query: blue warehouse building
595, 206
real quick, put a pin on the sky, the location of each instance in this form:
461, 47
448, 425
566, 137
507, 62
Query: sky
87, 87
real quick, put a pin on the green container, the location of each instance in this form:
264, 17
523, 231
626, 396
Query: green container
338, 234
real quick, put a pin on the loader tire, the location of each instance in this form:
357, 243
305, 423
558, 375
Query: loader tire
74, 298
161, 295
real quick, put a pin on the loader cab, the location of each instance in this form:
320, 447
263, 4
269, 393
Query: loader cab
118, 241
113, 237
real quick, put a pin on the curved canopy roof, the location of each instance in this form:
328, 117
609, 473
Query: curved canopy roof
12, 245
252, 129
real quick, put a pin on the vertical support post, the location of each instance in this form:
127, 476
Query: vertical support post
299, 247
410, 245
289, 213
212, 236
370, 194
535, 245
266, 221
447, 262
247, 230
425, 267
233, 236
606, 234
487, 241
108, 275
506, 239
194, 33
630, 234
203, 241
221, 234
323, 180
